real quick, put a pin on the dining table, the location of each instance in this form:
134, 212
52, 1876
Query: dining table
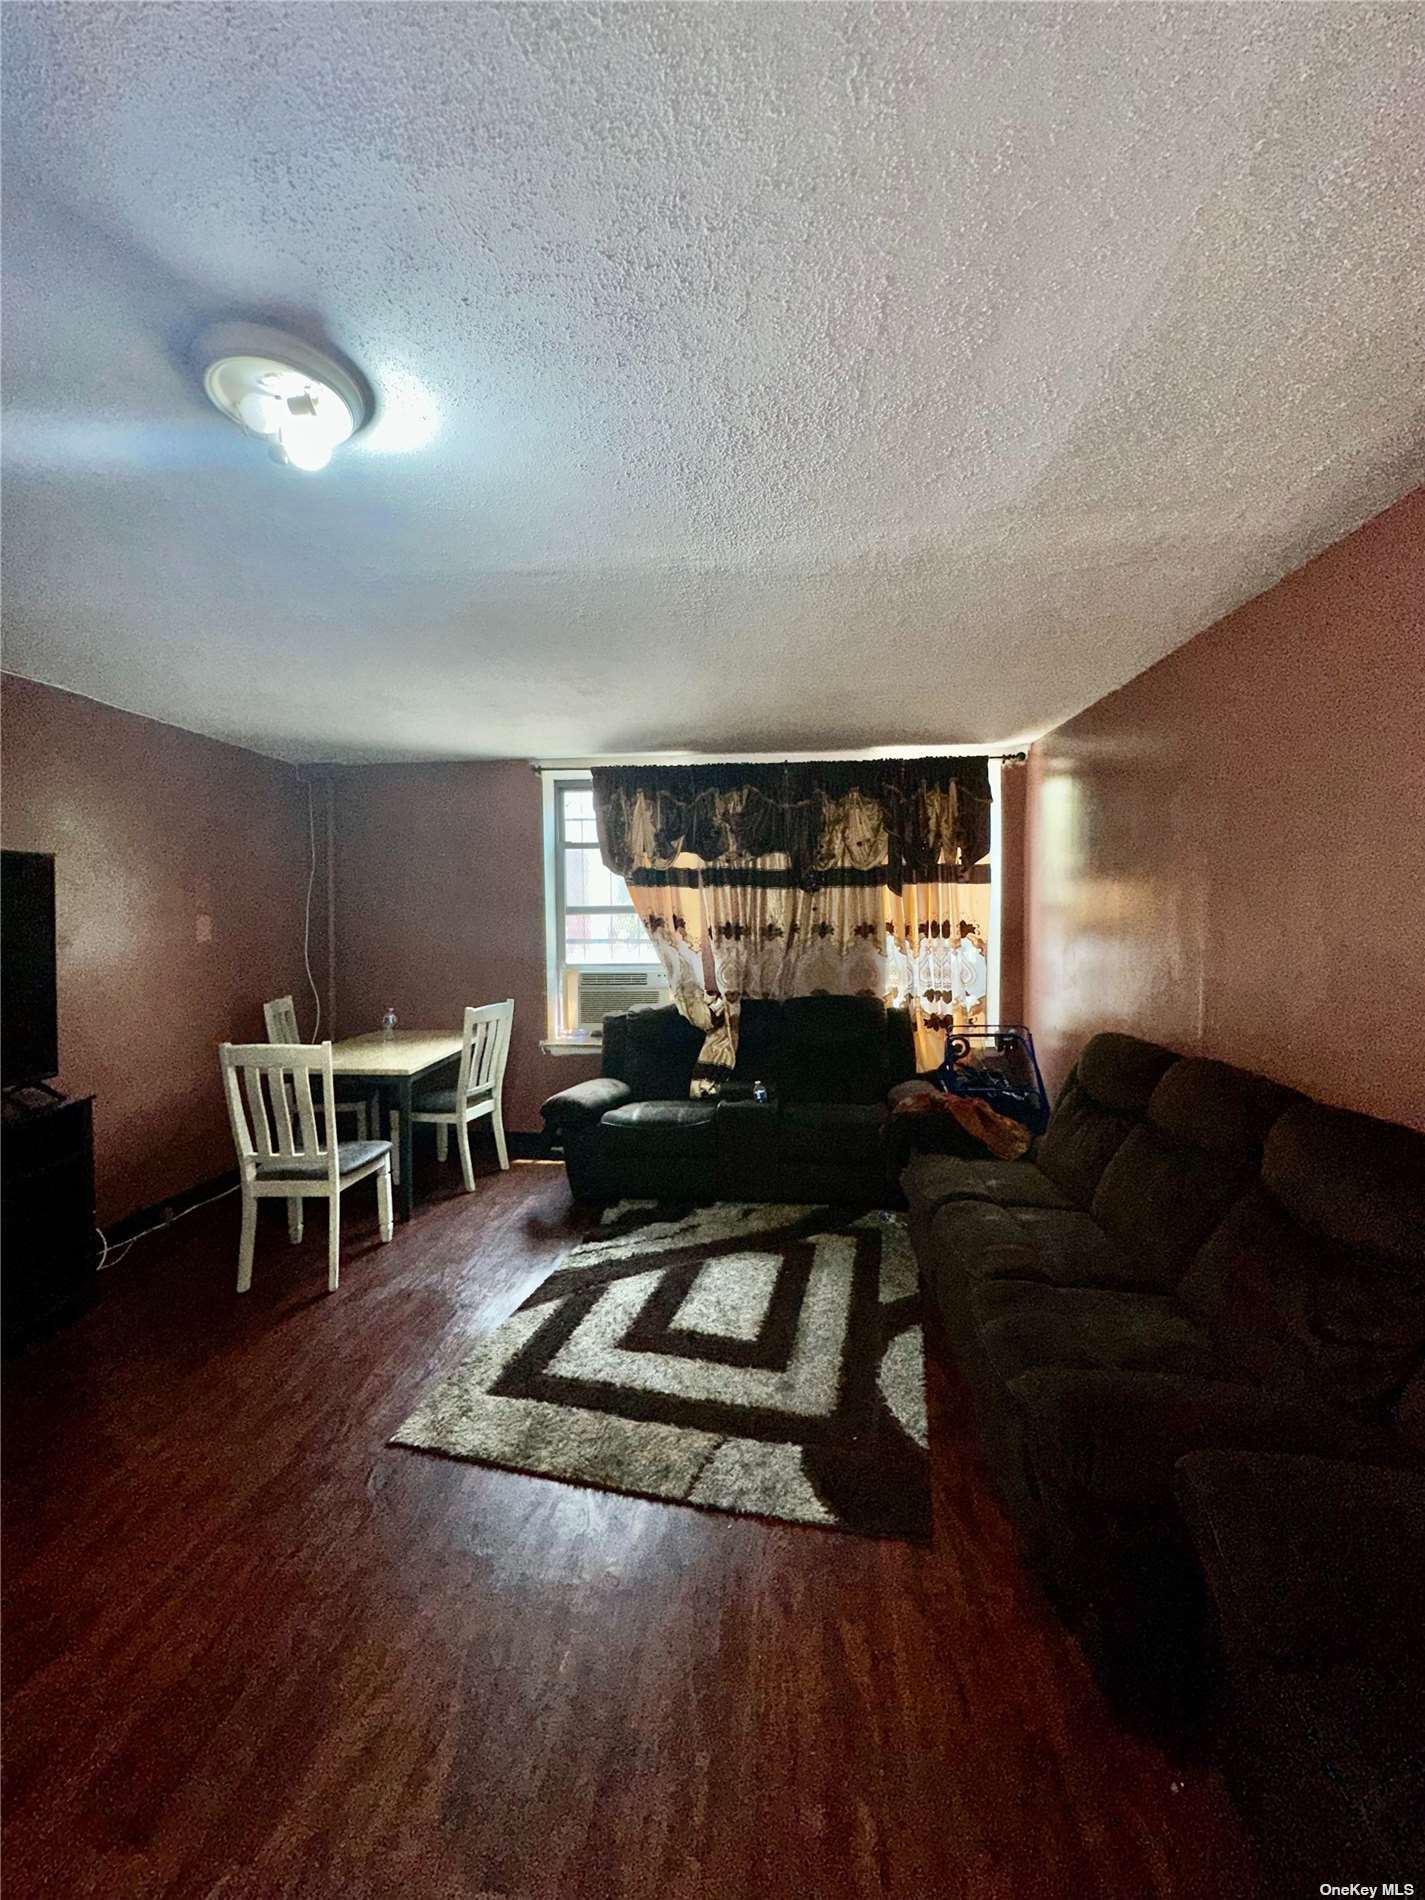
389, 1063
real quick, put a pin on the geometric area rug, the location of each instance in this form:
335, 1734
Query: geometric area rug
760, 1359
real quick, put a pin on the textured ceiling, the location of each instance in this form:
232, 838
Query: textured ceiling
800, 376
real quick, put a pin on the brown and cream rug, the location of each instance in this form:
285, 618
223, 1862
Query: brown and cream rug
761, 1359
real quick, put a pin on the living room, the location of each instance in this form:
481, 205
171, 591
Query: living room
750, 679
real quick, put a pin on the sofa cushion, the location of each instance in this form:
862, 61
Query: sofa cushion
833, 1049
1080, 1141
1292, 1310
1121, 1072
1106, 1093
660, 1047
661, 1128
766, 1028
1049, 1246
1018, 1184
900, 1045
759, 1040
930, 1180
1088, 1329
1198, 1149
1315, 1280
587, 1101
1351, 1179
848, 1132
1116, 1436
1309, 1559
1211, 1105
908, 1091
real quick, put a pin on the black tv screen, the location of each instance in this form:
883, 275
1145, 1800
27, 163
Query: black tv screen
29, 1029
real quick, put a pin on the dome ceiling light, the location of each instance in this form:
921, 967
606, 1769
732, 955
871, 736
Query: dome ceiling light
297, 399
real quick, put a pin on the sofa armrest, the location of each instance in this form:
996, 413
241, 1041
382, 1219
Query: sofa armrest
1308, 1560
585, 1102
904, 1091
1117, 1436
1102, 1447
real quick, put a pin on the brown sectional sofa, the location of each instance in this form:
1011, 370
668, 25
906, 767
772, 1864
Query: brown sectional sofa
1315, 1571
1190, 1258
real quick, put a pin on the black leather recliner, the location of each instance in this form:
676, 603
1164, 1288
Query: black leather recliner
829, 1062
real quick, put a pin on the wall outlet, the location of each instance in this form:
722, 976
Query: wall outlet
203, 929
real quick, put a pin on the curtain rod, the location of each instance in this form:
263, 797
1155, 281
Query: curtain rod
771, 758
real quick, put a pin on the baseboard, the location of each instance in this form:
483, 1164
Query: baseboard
522, 1147
160, 1213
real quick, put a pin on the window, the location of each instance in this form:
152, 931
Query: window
590, 922
592, 929
597, 922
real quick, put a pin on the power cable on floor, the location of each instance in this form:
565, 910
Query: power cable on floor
117, 1252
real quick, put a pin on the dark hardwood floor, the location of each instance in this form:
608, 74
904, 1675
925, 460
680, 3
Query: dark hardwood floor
251, 1651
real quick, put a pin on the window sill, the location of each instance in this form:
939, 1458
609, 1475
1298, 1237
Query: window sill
571, 1046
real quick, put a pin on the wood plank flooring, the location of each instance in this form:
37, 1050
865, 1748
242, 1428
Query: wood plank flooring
253, 1652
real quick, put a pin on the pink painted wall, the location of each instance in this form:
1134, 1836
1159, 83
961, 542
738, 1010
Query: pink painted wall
153, 829
1228, 854
440, 903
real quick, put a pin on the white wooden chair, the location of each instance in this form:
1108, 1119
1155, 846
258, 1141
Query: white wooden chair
478, 1082
280, 1015
294, 1160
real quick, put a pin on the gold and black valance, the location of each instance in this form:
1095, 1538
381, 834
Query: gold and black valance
905, 819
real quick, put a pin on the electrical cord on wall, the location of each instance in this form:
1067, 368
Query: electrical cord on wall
109, 1257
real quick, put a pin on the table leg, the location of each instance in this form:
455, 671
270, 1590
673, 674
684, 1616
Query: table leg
404, 1193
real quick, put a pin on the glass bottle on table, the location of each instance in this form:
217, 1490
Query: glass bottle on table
388, 1023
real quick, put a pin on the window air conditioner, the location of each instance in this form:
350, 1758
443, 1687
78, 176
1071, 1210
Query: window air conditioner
598, 993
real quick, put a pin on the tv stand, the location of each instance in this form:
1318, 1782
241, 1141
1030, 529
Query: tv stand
47, 1224
18, 1098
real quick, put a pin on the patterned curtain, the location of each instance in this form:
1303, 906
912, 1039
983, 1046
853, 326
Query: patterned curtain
863, 879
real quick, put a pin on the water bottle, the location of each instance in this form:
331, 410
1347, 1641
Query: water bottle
388, 1023
759, 1091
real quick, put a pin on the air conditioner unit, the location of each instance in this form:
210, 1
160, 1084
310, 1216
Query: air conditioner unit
598, 993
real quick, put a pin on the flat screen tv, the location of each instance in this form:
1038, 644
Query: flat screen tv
29, 1029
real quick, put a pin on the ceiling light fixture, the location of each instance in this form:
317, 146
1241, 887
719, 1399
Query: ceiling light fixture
298, 400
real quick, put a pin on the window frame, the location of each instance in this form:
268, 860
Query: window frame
561, 1039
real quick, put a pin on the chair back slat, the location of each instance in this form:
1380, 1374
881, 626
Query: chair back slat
258, 1109
280, 1015
485, 1046
275, 1077
306, 1112
280, 1097
237, 1115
